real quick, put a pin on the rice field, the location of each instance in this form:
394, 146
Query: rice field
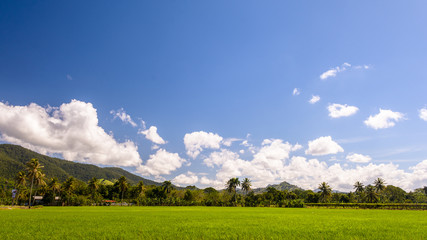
210, 223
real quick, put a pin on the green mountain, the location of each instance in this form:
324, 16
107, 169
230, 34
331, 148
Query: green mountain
13, 159
281, 186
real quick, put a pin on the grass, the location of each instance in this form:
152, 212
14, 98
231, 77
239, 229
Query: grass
210, 223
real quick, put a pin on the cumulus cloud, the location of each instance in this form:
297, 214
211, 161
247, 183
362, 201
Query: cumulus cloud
384, 119
186, 179
229, 141
339, 110
152, 135
218, 158
423, 114
273, 163
122, 115
314, 99
309, 173
195, 142
358, 158
323, 146
71, 130
263, 168
161, 163
296, 92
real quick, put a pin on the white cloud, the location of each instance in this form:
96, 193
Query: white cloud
314, 99
186, 179
195, 142
339, 110
296, 147
272, 164
323, 146
333, 72
219, 158
122, 115
329, 73
296, 92
358, 158
152, 135
161, 163
423, 114
345, 66
229, 141
384, 119
69, 77
71, 130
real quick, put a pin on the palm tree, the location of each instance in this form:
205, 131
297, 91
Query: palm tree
371, 195
167, 186
68, 187
93, 186
55, 187
139, 189
379, 184
123, 186
34, 173
231, 187
325, 192
20, 181
358, 186
246, 185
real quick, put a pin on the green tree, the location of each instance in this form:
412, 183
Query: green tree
94, 186
68, 188
35, 174
379, 185
358, 187
246, 185
167, 186
231, 187
123, 186
20, 181
371, 194
325, 192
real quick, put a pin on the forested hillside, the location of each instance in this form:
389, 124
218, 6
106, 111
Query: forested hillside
13, 159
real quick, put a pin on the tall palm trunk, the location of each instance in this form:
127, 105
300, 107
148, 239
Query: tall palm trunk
31, 190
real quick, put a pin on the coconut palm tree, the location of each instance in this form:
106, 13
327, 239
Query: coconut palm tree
358, 186
123, 186
34, 173
20, 181
167, 186
246, 185
325, 192
371, 194
55, 187
379, 185
68, 188
231, 187
93, 186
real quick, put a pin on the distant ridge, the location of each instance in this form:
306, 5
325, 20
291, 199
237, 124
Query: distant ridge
13, 159
281, 186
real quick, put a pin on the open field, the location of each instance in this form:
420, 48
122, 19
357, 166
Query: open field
210, 223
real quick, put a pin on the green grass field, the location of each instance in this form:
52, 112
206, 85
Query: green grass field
210, 223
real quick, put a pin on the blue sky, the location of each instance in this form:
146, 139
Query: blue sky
220, 71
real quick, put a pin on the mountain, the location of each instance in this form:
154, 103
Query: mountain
281, 186
13, 159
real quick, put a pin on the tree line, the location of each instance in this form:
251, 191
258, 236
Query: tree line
73, 192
